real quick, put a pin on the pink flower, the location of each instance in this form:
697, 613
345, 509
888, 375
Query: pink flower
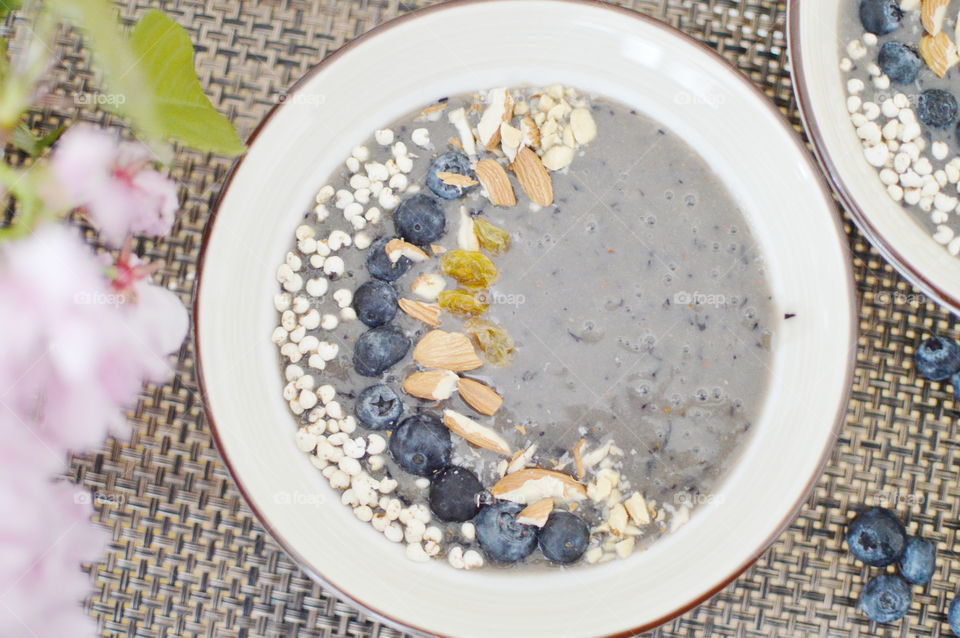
45, 534
77, 348
113, 182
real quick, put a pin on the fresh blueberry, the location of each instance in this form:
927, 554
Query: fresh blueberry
421, 444
918, 561
375, 303
380, 265
420, 219
455, 494
452, 162
955, 382
379, 348
900, 62
953, 616
501, 537
378, 407
876, 537
938, 358
880, 16
564, 538
937, 108
886, 598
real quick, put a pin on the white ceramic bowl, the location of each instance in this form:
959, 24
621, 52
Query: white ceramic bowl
820, 87
462, 47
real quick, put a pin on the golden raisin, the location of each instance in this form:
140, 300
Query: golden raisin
471, 268
493, 239
493, 341
462, 302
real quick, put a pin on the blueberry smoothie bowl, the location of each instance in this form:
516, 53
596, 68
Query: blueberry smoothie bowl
520, 330
490, 334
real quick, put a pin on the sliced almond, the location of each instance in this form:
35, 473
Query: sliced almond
533, 177
428, 313
939, 53
437, 250
455, 142
428, 286
583, 126
456, 179
432, 110
533, 484
466, 234
593, 457
495, 183
475, 433
435, 385
537, 513
578, 458
531, 132
479, 396
458, 117
397, 248
636, 507
932, 15
447, 350
558, 157
617, 519
511, 138
521, 460
499, 109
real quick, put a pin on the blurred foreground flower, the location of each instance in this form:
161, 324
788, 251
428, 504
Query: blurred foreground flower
113, 182
78, 347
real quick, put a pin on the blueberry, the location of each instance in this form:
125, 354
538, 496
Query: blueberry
955, 382
886, 598
880, 16
501, 537
953, 616
452, 162
564, 538
918, 561
375, 302
900, 62
876, 537
378, 407
937, 108
421, 444
380, 265
379, 348
420, 219
937, 358
455, 494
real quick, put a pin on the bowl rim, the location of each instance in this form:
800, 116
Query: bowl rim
312, 571
831, 171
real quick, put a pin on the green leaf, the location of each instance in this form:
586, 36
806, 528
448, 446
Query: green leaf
24, 139
115, 57
165, 61
7, 6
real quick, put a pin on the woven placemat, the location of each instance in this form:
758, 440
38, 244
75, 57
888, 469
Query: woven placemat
188, 558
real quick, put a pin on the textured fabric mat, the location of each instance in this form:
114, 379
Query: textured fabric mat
188, 558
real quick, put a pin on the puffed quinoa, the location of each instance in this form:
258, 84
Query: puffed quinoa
455, 557
282, 301
334, 410
279, 336
333, 266
306, 441
288, 320
384, 137
394, 533
468, 531
362, 241
355, 448
348, 314
317, 287
305, 381
375, 463
364, 513
420, 137
300, 305
422, 483
343, 297
373, 215
316, 261
296, 408
291, 352
307, 344
414, 531
472, 559
311, 319
416, 554
329, 322
316, 362
326, 393
348, 424
376, 444
353, 164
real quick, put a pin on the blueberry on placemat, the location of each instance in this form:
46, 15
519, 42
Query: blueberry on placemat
455, 494
937, 108
378, 407
501, 537
375, 302
564, 538
938, 358
900, 62
421, 444
886, 598
953, 616
880, 16
420, 219
452, 162
380, 265
918, 561
876, 537
379, 348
